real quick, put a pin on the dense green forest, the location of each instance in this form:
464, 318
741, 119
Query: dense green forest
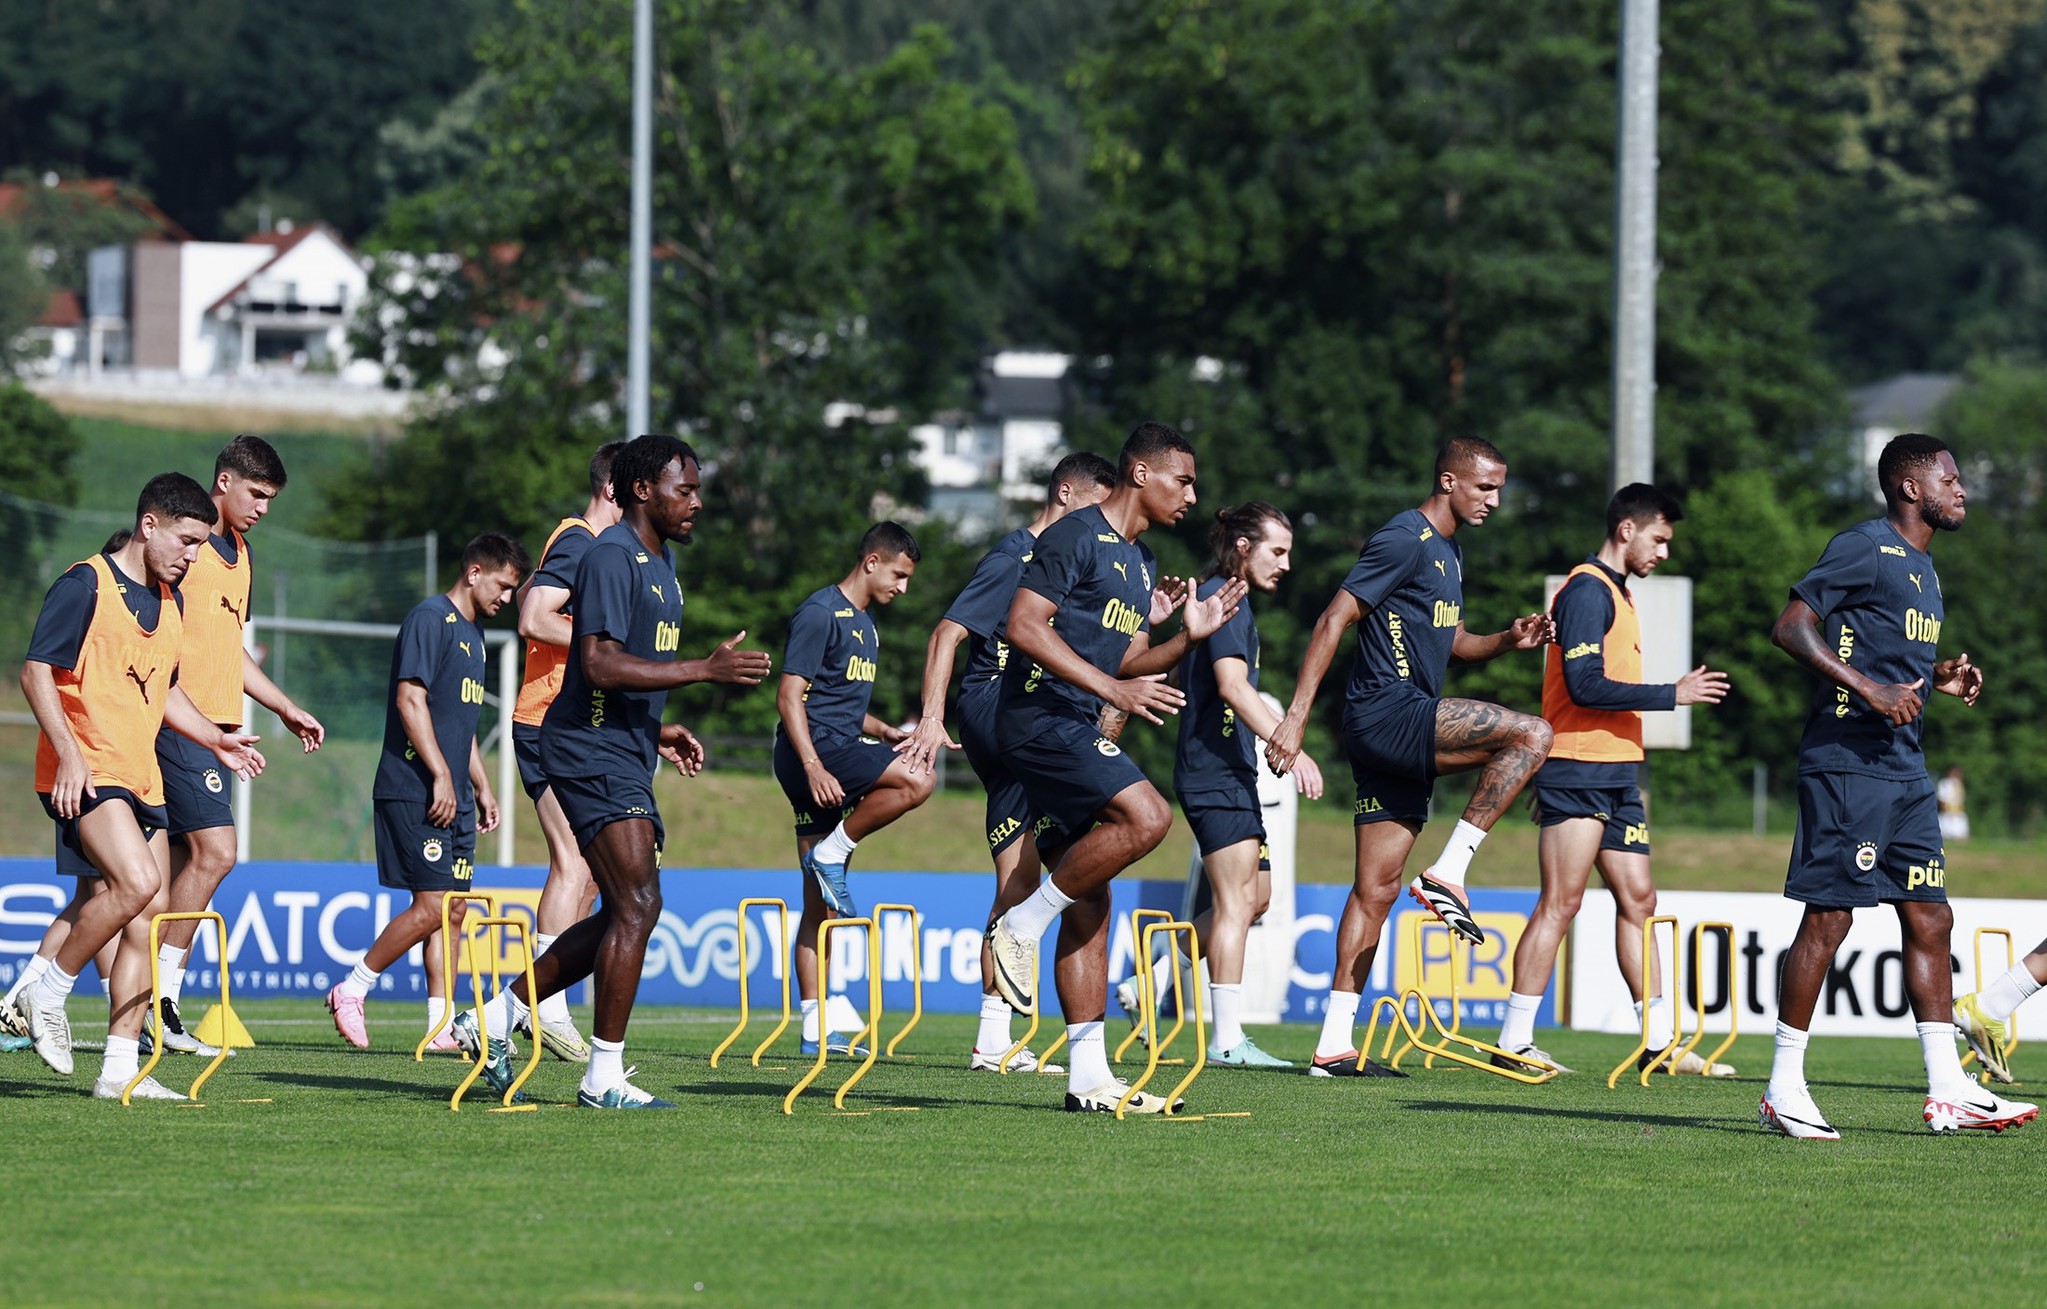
1317, 235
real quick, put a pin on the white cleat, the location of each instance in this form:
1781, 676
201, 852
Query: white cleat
146, 1089
1026, 1061
1104, 1099
1976, 1109
1796, 1116
560, 1039
1016, 967
1692, 1064
175, 1037
50, 1029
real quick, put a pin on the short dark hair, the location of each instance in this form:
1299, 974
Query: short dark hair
888, 540
1905, 456
496, 550
1147, 441
1081, 468
1250, 520
1458, 451
1639, 502
251, 457
174, 495
641, 460
600, 467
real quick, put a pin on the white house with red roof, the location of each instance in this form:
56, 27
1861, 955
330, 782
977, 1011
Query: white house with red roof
279, 299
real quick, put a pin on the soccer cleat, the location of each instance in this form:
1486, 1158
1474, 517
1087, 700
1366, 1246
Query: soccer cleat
50, 1029
831, 882
444, 1040
834, 1044
623, 1096
11, 1021
1104, 1099
10, 1044
1245, 1054
1976, 1110
1795, 1115
563, 1041
1529, 1059
146, 1089
1133, 1006
347, 1011
1688, 1063
1987, 1037
1450, 905
497, 1069
1026, 1061
175, 1037
1016, 967
1346, 1065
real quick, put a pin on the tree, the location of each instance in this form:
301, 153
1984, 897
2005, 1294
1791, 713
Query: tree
37, 446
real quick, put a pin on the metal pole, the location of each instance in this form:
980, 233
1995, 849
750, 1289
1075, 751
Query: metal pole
1634, 345
245, 807
433, 563
639, 309
508, 777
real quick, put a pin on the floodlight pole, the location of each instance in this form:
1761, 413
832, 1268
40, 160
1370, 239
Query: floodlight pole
639, 308
1634, 316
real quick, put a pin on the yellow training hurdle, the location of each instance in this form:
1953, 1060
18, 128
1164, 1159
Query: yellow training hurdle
916, 970
2011, 1024
156, 1002
1147, 989
1184, 997
781, 908
1674, 1053
1426, 1019
490, 907
824, 964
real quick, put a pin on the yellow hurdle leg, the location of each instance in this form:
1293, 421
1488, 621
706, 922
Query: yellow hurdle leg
490, 907
824, 989
746, 974
2011, 1027
873, 1013
1666, 1059
1648, 953
916, 969
499, 926
156, 1000
1146, 1001
1699, 931
1184, 996
482, 1019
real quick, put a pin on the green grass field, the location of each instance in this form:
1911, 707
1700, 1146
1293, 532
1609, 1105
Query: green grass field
355, 1185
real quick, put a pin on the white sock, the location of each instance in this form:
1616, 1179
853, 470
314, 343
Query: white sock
555, 1008
1033, 916
834, 849
435, 1008
122, 1059
106, 986
1518, 1032
1228, 999
170, 971
1457, 851
1338, 1018
30, 971
1088, 1056
1944, 1075
810, 1020
53, 988
1787, 1072
994, 1037
607, 1066
1659, 1021
2005, 994
501, 1013
360, 981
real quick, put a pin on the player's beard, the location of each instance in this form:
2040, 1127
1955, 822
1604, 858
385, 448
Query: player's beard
1933, 516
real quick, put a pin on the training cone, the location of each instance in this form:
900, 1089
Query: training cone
221, 1027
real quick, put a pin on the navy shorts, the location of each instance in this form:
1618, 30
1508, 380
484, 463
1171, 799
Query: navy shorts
1866, 840
198, 793
856, 761
414, 855
592, 804
1391, 742
1070, 772
1619, 807
71, 860
1221, 819
1009, 812
526, 751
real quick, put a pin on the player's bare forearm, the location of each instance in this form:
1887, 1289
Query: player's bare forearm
1797, 633
1243, 698
184, 718
419, 728
478, 778
939, 653
1036, 640
795, 717
540, 615
39, 687
1144, 658
1341, 615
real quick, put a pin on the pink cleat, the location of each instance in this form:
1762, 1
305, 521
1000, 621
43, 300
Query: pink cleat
445, 1040
347, 1011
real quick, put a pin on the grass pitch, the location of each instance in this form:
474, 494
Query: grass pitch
355, 1185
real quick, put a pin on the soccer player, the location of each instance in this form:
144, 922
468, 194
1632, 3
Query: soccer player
544, 608
100, 680
834, 759
214, 670
1586, 797
1080, 479
1865, 622
428, 815
599, 745
1215, 774
1405, 595
1081, 621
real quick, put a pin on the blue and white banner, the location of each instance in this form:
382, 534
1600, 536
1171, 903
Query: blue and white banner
295, 929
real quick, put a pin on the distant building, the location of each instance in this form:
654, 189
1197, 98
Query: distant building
982, 464
66, 337
1909, 402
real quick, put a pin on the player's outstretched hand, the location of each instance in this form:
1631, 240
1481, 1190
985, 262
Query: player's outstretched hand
1284, 747
824, 788
487, 812
305, 727
1532, 632
1203, 617
1702, 685
679, 746
1958, 677
237, 750
1147, 697
1900, 704
921, 745
1166, 597
440, 807
735, 667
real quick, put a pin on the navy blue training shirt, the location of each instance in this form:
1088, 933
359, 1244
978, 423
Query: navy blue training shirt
834, 646
563, 558
68, 608
1215, 749
1409, 579
442, 651
1100, 585
629, 594
984, 603
1880, 609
